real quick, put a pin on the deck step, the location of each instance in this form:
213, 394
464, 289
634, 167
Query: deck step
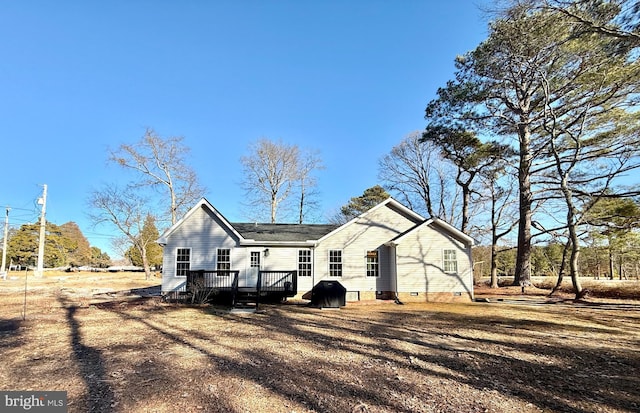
241, 310
246, 300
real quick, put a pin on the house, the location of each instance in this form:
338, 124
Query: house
387, 252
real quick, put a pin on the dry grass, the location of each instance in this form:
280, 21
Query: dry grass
596, 288
602, 288
128, 354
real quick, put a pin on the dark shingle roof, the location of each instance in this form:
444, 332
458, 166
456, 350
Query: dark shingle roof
283, 232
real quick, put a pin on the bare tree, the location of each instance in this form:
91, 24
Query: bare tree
416, 171
270, 174
499, 188
310, 162
470, 157
162, 162
125, 210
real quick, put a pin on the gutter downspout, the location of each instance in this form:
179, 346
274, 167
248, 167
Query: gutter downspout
473, 293
394, 271
313, 268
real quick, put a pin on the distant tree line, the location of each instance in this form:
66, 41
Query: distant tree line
65, 246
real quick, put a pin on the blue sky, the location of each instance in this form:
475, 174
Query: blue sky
348, 78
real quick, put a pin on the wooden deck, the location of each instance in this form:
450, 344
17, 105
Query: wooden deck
269, 285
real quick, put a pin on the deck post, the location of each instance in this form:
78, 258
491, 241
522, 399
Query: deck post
258, 289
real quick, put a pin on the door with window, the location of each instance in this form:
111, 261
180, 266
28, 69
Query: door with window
251, 273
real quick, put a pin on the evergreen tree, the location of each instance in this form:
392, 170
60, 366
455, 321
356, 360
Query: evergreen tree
358, 205
99, 259
148, 237
80, 252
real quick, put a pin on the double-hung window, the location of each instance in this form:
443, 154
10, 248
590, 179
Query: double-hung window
373, 265
335, 263
304, 263
223, 261
450, 261
183, 261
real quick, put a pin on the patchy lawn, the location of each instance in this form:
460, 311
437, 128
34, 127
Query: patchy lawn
121, 353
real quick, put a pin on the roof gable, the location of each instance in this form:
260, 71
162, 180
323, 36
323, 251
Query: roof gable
389, 202
203, 203
253, 233
435, 222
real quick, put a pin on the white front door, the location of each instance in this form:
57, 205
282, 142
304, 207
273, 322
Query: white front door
251, 273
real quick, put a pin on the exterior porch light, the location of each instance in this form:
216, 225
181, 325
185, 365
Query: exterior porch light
266, 252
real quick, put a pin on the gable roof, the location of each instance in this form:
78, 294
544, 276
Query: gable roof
390, 202
252, 233
287, 234
203, 203
455, 232
283, 232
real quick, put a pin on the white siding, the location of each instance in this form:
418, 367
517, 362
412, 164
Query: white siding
280, 259
204, 234
368, 232
420, 263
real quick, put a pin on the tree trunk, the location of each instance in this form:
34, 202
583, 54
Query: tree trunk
466, 198
494, 265
575, 242
145, 261
577, 287
611, 268
620, 266
301, 205
523, 259
563, 264
274, 207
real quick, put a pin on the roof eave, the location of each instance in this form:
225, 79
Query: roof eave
254, 243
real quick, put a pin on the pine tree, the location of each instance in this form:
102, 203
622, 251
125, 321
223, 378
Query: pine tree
358, 205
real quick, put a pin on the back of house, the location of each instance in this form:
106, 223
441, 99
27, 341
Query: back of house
388, 252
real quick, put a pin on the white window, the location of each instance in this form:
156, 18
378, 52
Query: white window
223, 262
254, 259
183, 261
335, 263
373, 266
304, 263
450, 261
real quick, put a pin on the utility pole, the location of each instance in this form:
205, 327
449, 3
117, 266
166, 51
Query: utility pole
3, 269
43, 223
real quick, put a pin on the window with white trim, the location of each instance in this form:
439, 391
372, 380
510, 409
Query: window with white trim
304, 263
183, 261
450, 261
335, 263
223, 261
372, 263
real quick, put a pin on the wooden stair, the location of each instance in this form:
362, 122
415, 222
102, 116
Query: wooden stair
245, 300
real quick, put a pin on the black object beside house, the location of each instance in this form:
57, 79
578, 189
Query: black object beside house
328, 294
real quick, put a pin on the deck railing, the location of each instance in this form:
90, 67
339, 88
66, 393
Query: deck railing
275, 283
278, 281
219, 280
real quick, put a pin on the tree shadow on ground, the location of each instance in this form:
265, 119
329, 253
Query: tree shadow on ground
91, 365
553, 374
301, 381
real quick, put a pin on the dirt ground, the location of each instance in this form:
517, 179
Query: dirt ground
114, 350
